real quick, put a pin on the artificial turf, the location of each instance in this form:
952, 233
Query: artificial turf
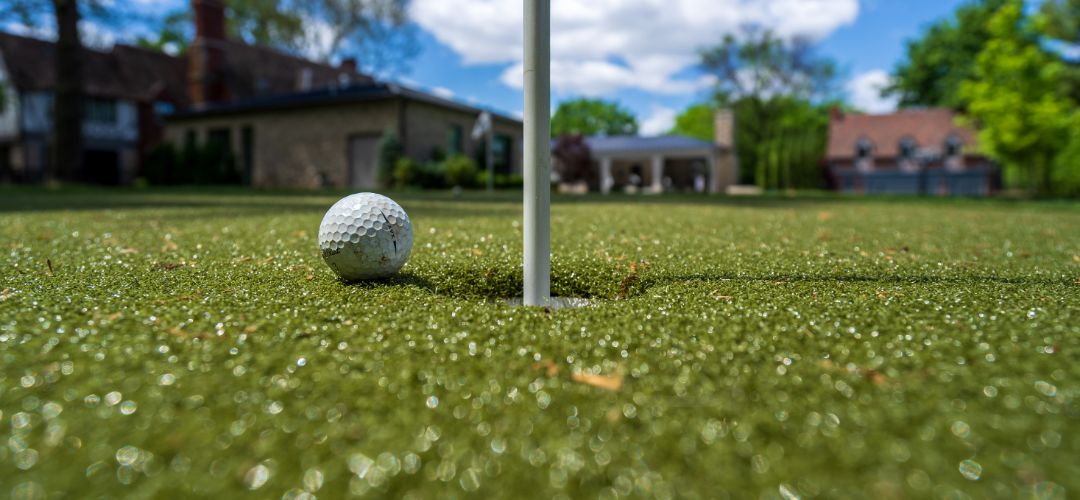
182, 344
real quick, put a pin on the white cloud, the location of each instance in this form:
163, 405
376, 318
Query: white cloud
864, 91
599, 46
443, 92
659, 121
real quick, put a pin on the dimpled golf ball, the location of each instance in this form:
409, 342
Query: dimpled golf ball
365, 236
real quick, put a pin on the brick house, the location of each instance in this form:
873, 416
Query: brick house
916, 151
290, 122
125, 91
286, 121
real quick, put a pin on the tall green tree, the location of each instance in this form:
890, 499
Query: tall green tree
64, 15
592, 117
1018, 98
697, 121
253, 21
771, 83
937, 62
68, 95
1060, 19
376, 31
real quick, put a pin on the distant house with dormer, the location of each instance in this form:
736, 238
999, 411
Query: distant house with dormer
916, 151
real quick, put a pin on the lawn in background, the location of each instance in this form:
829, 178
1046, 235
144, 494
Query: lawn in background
177, 344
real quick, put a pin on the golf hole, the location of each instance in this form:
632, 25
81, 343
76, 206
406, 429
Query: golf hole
556, 303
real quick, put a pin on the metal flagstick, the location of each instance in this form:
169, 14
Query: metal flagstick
537, 262
489, 155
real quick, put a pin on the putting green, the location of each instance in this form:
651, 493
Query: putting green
168, 344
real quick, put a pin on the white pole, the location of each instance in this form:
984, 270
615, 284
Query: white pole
537, 152
489, 157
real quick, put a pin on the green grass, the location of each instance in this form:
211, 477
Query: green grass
167, 344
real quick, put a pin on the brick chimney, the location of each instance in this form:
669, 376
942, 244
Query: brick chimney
836, 113
206, 57
348, 64
725, 128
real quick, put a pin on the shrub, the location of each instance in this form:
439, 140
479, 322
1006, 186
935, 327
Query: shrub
502, 181
405, 172
391, 151
460, 171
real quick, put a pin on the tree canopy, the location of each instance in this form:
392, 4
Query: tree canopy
697, 121
760, 64
772, 84
376, 31
1018, 98
937, 62
592, 117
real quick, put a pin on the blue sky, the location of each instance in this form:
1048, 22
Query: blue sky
640, 53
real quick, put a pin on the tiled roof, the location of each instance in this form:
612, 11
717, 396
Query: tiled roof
929, 128
140, 74
335, 95
257, 71
126, 72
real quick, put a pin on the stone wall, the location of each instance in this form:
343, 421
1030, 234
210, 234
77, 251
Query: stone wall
427, 127
305, 147
300, 147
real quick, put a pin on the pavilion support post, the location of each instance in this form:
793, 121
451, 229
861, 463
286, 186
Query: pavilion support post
658, 174
537, 219
715, 176
606, 182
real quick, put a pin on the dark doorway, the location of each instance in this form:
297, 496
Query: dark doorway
247, 149
363, 155
6, 172
101, 166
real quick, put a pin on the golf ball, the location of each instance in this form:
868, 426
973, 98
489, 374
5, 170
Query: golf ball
365, 236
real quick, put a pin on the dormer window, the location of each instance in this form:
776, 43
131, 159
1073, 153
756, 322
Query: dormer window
906, 157
953, 146
907, 148
954, 152
863, 148
864, 154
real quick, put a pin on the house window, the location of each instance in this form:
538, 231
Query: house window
864, 154
163, 108
100, 111
455, 137
190, 139
863, 148
502, 149
953, 146
907, 148
954, 153
907, 155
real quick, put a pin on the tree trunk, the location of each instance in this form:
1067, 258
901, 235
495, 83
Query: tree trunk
68, 99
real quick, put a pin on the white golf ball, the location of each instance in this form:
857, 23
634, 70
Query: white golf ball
365, 236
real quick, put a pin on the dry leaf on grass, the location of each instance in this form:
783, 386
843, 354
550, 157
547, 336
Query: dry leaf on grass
550, 368
872, 375
606, 382
187, 335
